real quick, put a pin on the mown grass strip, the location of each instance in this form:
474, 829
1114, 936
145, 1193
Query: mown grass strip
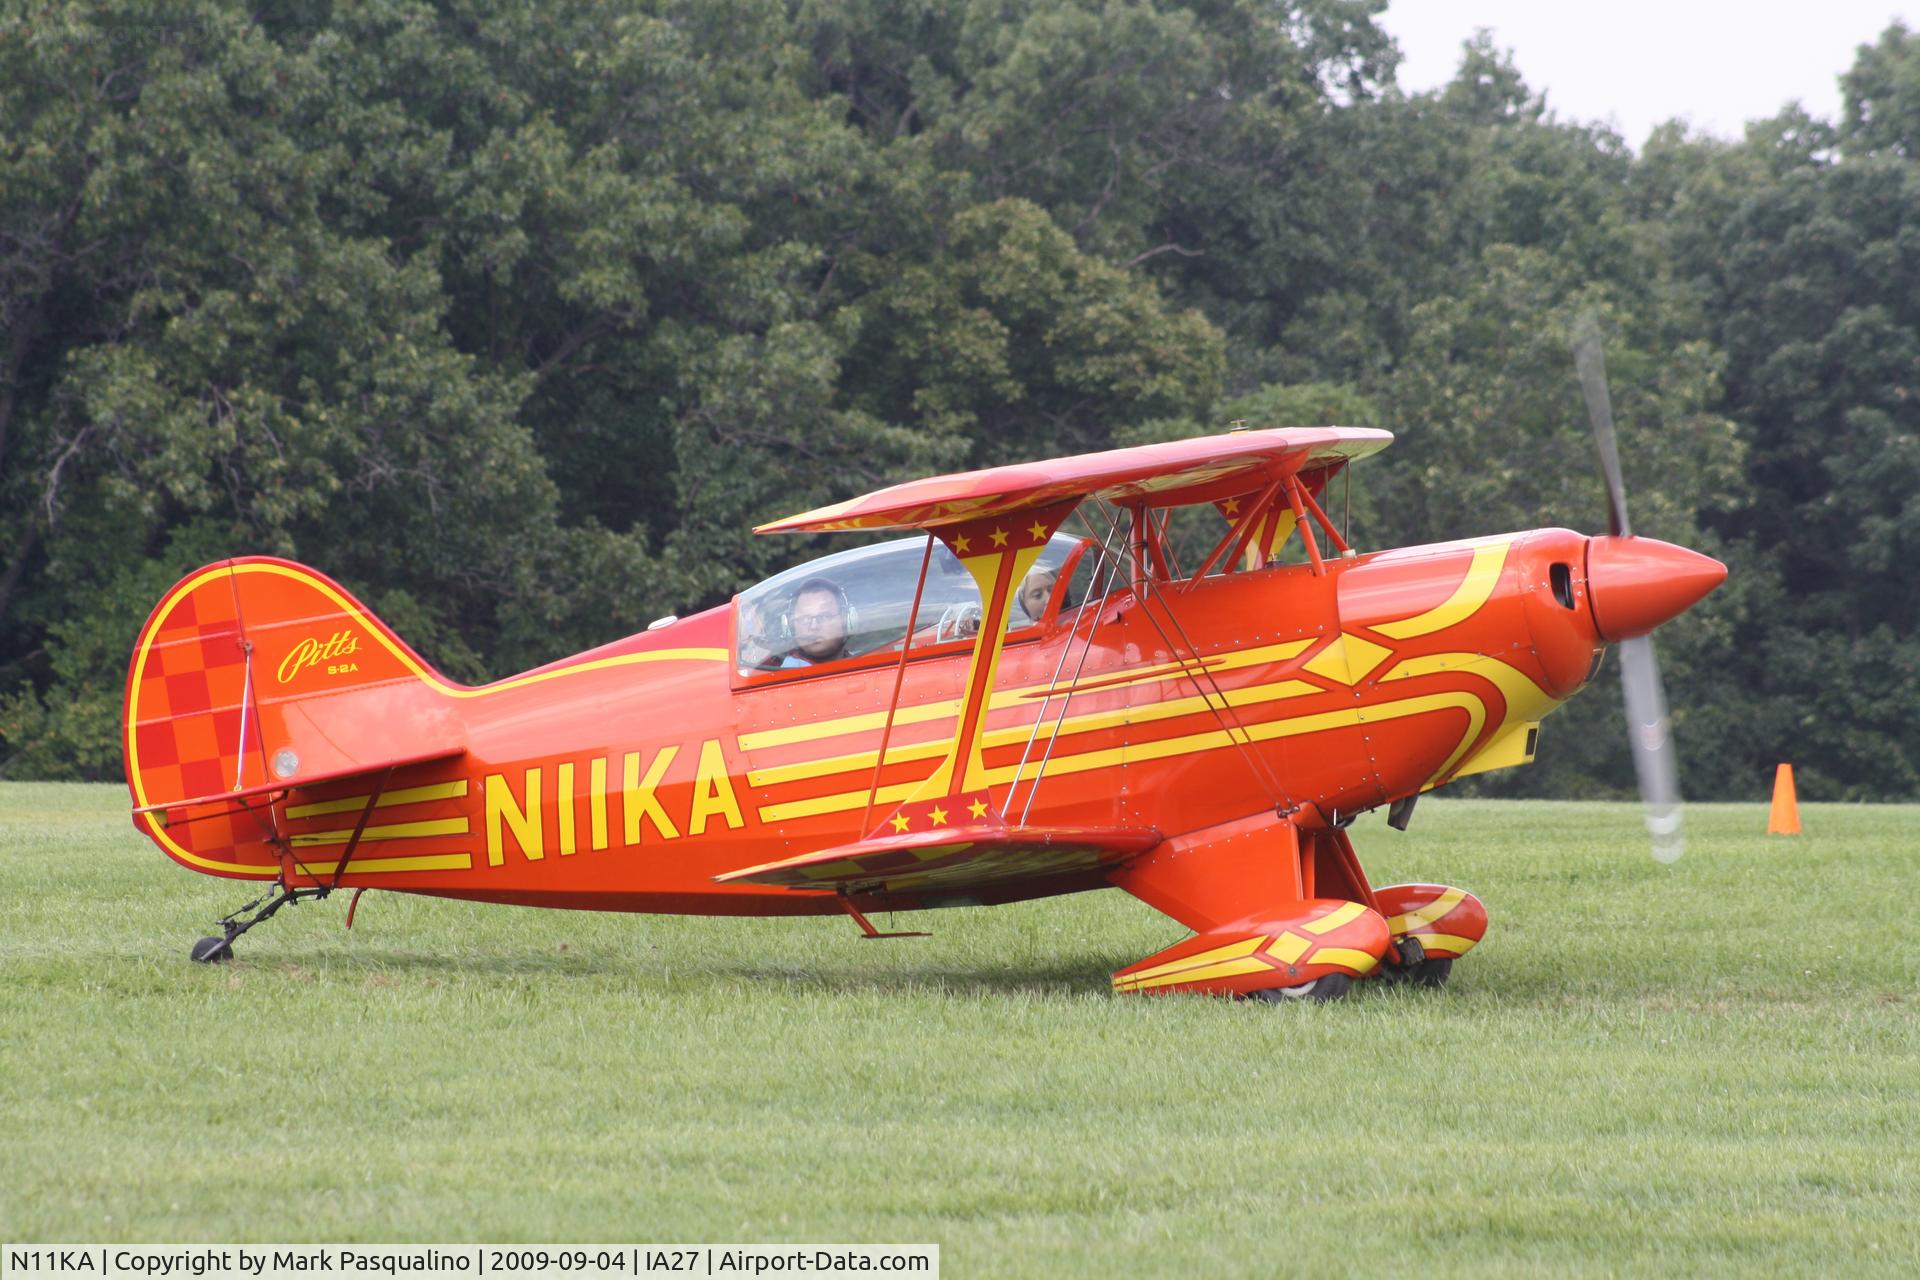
1709, 1068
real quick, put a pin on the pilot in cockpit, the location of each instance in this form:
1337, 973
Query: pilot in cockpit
816, 623
818, 620
785, 627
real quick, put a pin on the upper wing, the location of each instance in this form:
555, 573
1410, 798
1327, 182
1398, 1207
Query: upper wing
1170, 474
924, 852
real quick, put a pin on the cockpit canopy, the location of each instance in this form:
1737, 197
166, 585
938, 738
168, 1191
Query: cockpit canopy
857, 603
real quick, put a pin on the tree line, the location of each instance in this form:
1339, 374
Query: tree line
516, 318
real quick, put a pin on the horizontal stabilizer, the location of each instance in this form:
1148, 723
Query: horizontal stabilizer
171, 809
953, 860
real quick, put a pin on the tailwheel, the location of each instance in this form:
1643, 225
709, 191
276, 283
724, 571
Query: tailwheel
1333, 986
215, 950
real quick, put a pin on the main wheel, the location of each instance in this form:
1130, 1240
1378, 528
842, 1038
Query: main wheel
211, 951
1417, 967
1421, 973
1334, 986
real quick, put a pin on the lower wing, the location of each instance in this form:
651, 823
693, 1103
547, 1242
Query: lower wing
953, 860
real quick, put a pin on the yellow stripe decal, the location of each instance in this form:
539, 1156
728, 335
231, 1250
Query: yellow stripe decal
1358, 961
405, 795
1524, 699
1227, 969
1172, 708
381, 866
599, 664
1334, 919
1347, 659
1427, 914
1213, 955
1467, 598
1445, 942
395, 831
861, 723
461, 691
1160, 749
838, 803
1014, 697
1288, 948
774, 775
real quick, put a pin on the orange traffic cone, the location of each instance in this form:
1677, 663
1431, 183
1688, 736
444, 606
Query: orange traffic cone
1784, 818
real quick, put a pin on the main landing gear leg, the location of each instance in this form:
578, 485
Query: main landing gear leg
1278, 915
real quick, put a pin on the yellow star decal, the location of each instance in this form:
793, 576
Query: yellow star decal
999, 537
960, 544
1038, 530
939, 816
899, 821
978, 808
1232, 507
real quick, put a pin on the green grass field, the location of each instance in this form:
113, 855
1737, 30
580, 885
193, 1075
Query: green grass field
1708, 1068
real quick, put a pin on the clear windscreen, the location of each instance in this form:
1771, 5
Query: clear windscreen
861, 601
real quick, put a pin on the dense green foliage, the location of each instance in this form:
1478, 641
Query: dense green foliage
516, 318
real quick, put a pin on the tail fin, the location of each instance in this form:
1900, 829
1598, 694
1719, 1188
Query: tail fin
255, 676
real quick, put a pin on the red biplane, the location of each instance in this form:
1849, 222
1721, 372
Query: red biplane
1026, 696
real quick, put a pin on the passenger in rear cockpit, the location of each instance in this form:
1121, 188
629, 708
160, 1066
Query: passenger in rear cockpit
1036, 591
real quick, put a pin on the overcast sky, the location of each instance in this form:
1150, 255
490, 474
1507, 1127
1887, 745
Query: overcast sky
1716, 63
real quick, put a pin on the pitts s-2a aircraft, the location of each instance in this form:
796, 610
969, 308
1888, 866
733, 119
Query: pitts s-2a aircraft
1023, 699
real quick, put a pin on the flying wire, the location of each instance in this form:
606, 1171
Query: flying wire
1223, 711
1053, 683
1099, 611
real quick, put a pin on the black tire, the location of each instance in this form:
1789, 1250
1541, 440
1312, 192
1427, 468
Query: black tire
1425, 973
1416, 966
211, 951
1335, 986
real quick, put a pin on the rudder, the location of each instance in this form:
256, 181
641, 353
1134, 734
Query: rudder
255, 672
